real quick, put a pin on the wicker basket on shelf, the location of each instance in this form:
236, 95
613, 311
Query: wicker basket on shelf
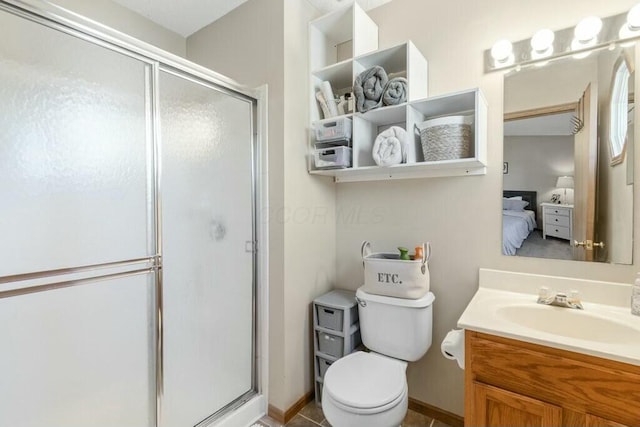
445, 138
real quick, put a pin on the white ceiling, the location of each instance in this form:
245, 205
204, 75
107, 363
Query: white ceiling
188, 16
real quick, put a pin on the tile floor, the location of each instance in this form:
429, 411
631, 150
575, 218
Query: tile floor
312, 416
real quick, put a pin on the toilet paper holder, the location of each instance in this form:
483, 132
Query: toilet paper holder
452, 346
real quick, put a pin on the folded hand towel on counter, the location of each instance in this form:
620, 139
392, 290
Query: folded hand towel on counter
368, 88
395, 92
390, 147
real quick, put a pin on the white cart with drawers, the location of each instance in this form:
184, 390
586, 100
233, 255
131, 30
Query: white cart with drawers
336, 331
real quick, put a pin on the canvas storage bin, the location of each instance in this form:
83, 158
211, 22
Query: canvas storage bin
445, 138
386, 274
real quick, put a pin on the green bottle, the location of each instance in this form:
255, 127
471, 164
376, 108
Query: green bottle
404, 253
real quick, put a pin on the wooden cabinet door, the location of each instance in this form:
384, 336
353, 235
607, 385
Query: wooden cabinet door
495, 407
593, 421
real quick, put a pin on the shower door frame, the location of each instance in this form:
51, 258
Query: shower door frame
57, 18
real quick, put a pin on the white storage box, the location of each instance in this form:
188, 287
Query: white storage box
333, 158
332, 130
446, 138
386, 274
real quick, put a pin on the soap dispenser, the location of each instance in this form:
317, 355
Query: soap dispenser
635, 296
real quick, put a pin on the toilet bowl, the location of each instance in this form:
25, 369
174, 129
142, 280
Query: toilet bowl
370, 389
365, 389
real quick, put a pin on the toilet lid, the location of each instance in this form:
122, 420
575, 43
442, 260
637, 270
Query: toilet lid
365, 380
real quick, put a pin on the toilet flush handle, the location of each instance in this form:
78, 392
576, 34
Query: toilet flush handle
361, 302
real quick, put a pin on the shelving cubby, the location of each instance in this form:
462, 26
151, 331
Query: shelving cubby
330, 61
403, 58
335, 39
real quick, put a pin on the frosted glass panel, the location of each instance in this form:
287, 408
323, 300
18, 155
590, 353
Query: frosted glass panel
73, 151
78, 357
206, 220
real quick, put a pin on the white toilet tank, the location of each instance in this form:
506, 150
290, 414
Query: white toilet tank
396, 327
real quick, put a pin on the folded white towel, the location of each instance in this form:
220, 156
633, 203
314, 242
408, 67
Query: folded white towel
390, 147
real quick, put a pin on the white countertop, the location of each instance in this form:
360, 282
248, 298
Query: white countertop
604, 330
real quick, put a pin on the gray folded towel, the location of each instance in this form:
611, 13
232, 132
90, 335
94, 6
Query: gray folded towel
395, 92
368, 88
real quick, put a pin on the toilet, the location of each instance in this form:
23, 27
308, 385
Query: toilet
370, 389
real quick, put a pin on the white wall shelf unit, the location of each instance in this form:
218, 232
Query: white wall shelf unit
343, 44
366, 126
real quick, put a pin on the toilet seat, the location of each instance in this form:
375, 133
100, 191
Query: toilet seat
366, 383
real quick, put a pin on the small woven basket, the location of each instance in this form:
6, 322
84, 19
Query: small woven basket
446, 138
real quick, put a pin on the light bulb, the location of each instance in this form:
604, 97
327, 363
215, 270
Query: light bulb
627, 33
633, 18
588, 28
578, 45
502, 53
542, 40
501, 50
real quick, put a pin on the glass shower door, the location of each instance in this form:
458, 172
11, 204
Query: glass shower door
208, 264
76, 232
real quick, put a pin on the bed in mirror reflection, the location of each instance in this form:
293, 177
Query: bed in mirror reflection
568, 141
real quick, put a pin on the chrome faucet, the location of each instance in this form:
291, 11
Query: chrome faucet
559, 299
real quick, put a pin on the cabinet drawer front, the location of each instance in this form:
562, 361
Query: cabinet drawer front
557, 231
574, 381
558, 211
557, 220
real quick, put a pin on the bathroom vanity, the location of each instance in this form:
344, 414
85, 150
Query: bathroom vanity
515, 383
540, 365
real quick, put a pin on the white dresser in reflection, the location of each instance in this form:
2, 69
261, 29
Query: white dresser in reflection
557, 221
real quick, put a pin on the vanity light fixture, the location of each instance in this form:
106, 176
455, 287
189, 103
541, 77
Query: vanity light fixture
631, 27
502, 53
586, 35
633, 18
588, 29
542, 45
590, 34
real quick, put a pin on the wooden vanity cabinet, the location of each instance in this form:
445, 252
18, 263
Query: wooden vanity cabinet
513, 383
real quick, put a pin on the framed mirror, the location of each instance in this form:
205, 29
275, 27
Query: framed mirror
568, 175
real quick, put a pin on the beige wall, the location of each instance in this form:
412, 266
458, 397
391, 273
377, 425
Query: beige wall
264, 41
535, 162
460, 216
111, 14
310, 225
561, 83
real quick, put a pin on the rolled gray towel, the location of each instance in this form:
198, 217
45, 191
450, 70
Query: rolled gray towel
395, 92
368, 88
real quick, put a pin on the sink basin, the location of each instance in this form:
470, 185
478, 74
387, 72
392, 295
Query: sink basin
570, 323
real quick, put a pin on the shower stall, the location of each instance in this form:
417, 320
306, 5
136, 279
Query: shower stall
129, 188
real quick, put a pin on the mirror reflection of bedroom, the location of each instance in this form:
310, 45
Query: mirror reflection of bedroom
567, 181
